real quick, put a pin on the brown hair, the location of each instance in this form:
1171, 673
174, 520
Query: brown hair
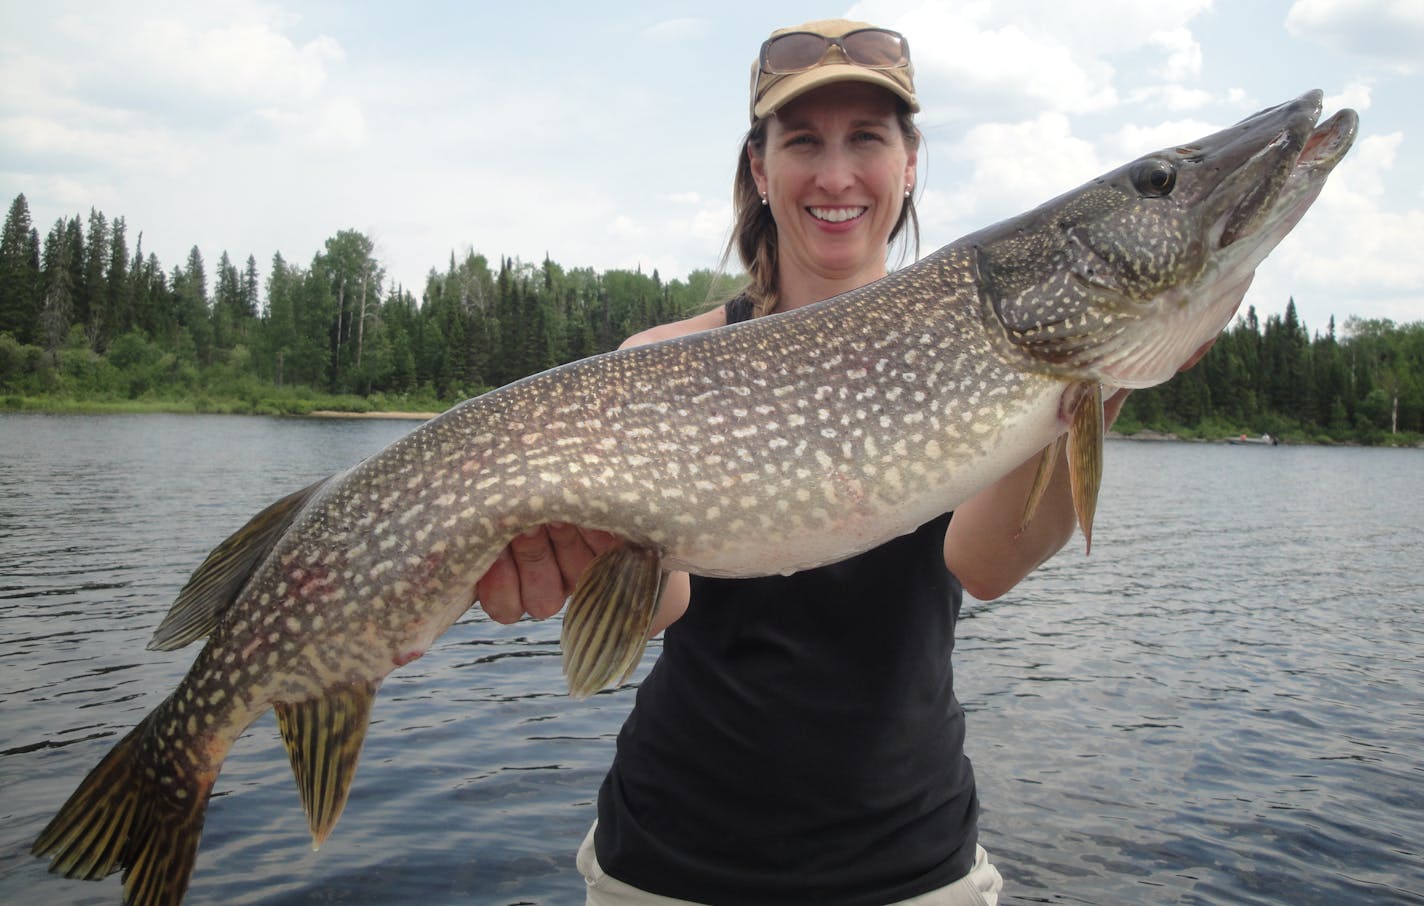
754, 236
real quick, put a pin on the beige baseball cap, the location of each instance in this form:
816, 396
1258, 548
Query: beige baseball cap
874, 55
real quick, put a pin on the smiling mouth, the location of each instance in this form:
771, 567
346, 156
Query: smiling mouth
838, 214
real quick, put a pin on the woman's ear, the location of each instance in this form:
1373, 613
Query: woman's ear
758, 165
912, 157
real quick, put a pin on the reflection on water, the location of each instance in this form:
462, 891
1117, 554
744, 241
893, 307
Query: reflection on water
1224, 704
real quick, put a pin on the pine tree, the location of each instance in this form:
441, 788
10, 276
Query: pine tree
20, 274
228, 308
93, 293
118, 289
250, 289
192, 314
154, 311
279, 325
57, 286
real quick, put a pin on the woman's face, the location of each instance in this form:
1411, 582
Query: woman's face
834, 170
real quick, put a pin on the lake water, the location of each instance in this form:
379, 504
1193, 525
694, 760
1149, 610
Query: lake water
1224, 704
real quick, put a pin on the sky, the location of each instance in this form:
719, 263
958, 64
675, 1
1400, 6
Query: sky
605, 135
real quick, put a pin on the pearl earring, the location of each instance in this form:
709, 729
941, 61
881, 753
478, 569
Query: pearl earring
763, 198
908, 189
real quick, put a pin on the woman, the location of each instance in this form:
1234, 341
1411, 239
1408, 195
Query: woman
799, 740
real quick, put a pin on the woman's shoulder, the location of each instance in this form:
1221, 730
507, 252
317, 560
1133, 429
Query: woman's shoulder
716, 317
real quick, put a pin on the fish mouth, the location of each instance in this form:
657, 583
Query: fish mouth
1324, 147
1284, 170
1328, 143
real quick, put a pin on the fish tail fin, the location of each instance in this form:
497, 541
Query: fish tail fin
123, 816
612, 608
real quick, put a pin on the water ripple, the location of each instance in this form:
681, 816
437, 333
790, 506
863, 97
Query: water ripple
1224, 704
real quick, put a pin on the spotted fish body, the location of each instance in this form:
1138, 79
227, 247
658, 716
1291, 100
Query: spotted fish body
765, 447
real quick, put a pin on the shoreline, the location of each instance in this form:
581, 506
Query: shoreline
336, 413
17, 406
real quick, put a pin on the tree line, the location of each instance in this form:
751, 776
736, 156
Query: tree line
1362, 383
84, 317
81, 315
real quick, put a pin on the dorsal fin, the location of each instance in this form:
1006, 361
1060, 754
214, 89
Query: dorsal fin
216, 583
606, 626
323, 737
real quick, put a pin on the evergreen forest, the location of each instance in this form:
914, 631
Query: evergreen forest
89, 322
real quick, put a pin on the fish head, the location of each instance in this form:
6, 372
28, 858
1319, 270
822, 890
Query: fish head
1121, 280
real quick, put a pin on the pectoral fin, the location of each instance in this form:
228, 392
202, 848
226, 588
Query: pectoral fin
606, 625
323, 737
1047, 462
220, 578
1085, 458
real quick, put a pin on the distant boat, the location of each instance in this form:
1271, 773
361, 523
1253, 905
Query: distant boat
1265, 440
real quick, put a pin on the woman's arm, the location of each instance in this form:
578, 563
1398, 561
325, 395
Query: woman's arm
984, 547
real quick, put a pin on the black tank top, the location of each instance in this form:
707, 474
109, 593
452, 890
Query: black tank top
799, 741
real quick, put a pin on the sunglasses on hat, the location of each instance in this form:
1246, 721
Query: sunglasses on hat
798, 51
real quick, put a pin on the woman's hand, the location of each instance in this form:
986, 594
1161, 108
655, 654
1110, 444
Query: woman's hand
536, 571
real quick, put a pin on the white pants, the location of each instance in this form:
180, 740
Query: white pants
978, 888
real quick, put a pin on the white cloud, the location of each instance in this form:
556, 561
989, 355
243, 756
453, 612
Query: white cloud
208, 79
1171, 96
82, 146
710, 226
339, 122
625, 227
142, 90
1386, 32
1182, 54
1132, 141
1018, 57
1356, 95
238, 63
177, 62
1367, 171
1009, 168
1005, 64
676, 29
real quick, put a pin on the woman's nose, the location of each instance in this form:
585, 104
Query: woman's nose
836, 173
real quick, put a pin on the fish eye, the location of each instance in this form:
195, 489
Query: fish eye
1153, 177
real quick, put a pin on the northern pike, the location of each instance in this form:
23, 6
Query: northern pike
765, 447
